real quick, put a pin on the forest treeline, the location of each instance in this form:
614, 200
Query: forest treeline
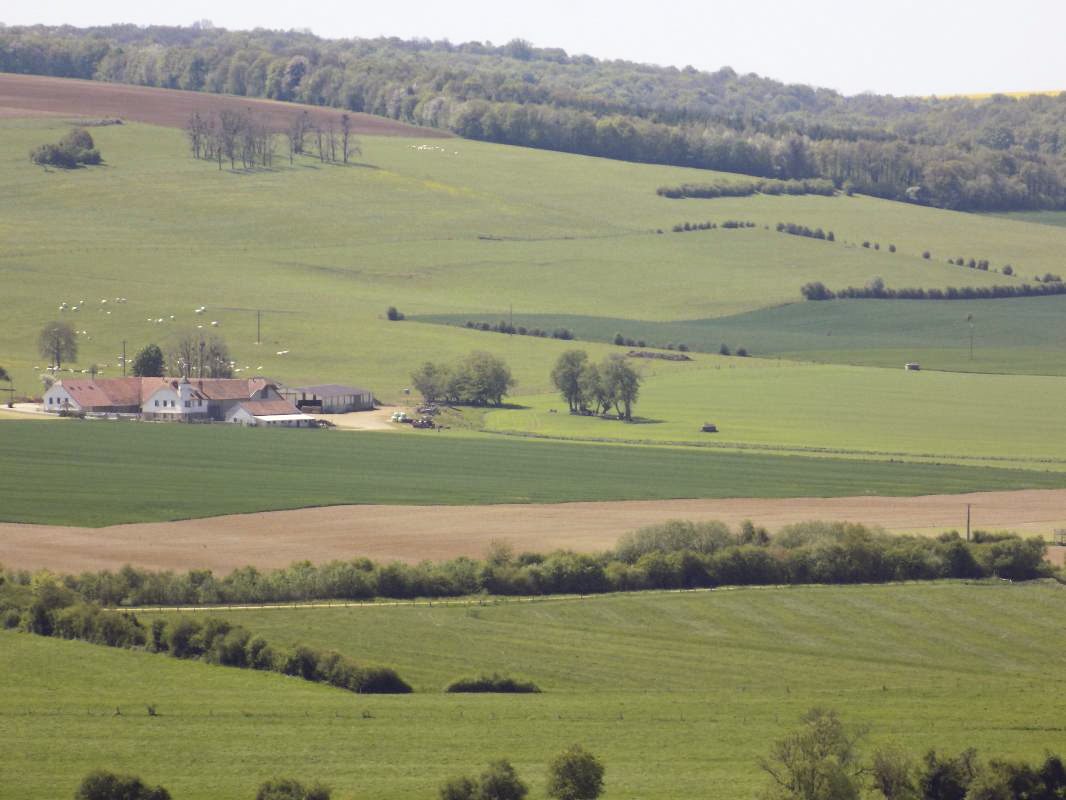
995, 153
674, 555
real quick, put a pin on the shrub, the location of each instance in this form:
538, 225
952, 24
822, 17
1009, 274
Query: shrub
396, 316
74, 149
290, 789
380, 680
723, 350
501, 782
926, 254
459, 788
104, 785
1007, 269
493, 683
619, 339
892, 248
742, 352
575, 774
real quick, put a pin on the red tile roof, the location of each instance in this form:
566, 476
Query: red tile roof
128, 392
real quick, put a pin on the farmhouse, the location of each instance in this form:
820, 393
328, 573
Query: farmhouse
329, 398
248, 401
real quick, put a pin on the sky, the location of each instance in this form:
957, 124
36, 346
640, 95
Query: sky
903, 47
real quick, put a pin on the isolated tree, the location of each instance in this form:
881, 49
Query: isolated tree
622, 383
104, 785
575, 774
818, 761
566, 375
58, 342
148, 363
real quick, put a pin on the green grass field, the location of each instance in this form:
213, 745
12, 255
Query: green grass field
323, 250
679, 694
75, 473
855, 411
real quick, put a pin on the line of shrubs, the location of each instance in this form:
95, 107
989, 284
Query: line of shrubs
493, 683
106, 785
47, 607
729, 224
816, 290
506, 327
673, 555
746, 188
795, 229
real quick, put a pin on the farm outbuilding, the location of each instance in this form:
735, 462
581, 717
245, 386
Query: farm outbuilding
329, 398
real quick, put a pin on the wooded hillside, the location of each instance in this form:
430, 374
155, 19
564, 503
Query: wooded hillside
995, 153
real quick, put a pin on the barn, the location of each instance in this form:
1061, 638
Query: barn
329, 398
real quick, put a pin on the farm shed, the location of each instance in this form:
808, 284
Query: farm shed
269, 413
329, 398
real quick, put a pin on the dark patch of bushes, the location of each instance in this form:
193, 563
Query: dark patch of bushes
813, 233
816, 290
104, 785
493, 683
746, 188
394, 315
506, 327
729, 224
73, 150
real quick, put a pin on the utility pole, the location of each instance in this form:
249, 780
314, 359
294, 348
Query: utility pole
123, 358
201, 358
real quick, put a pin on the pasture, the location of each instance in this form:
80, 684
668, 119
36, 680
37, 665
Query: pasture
430, 226
100, 473
679, 694
829, 409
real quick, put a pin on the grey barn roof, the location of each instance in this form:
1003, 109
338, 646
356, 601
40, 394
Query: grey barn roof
327, 390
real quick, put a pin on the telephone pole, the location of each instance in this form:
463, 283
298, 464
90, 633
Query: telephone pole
123, 358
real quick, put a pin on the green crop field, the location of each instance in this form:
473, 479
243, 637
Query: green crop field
432, 227
74, 473
679, 694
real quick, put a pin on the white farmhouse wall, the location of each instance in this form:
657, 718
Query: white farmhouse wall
57, 398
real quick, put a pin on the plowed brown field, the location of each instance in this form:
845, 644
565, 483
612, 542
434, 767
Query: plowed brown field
414, 533
37, 95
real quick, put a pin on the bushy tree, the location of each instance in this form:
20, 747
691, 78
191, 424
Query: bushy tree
818, 761
104, 785
575, 774
148, 363
622, 383
58, 343
566, 375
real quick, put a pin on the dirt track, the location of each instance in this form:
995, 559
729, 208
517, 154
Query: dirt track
37, 95
414, 533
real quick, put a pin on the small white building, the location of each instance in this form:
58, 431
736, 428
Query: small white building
281, 413
329, 398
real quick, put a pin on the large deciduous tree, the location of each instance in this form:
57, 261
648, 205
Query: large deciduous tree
148, 363
566, 375
621, 383
58, 342
818, 761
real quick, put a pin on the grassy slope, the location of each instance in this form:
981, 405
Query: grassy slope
679, 694
324, 249
949, 417
1022, 335
72, 473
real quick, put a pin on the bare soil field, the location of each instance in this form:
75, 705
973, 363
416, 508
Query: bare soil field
37, 95
414, 533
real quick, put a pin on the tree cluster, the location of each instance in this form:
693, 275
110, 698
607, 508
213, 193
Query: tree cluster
493, 683
670, 556
47, 607
194, 356
746, 188
590, 388
479, 379
708, 226
822, 759
876, 289
574, 774
73, 150
503, 326
105, 785
962, 153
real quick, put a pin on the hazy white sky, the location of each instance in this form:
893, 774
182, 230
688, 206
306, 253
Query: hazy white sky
901, 47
